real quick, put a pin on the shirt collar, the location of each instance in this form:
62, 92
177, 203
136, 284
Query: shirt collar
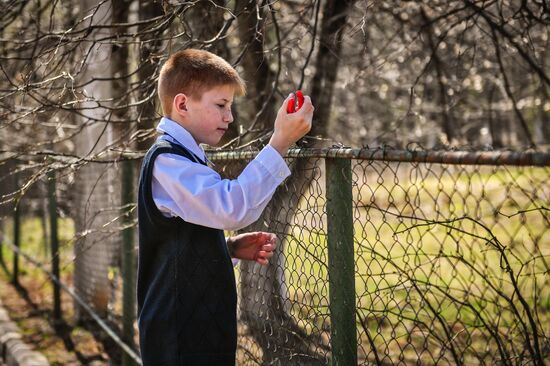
181, 135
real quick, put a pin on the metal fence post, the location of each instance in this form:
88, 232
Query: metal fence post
128, 260
341, 270
54, 243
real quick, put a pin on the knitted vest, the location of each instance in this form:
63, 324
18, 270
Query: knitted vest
186, 290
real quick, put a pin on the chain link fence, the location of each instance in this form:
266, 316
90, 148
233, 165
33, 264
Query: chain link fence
451, 261
385, 257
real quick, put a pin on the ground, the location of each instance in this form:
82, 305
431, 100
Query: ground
65, 343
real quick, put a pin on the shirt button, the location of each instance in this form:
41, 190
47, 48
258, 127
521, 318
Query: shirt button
281, 174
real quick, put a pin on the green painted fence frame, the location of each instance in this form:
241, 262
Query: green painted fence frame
341, 261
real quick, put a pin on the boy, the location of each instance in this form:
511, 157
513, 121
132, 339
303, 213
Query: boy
186, 286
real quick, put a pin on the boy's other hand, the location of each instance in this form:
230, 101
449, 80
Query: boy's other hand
290, 127
256, 246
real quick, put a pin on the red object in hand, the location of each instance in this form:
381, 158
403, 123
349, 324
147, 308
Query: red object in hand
296, 102
300, 97
290, 105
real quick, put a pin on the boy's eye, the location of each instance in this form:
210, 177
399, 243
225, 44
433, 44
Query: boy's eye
221, 105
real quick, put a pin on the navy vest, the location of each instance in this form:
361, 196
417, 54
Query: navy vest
186, 292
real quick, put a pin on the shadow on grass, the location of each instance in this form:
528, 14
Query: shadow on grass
62, 329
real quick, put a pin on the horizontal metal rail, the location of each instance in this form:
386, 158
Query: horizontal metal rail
528, 158
525, 158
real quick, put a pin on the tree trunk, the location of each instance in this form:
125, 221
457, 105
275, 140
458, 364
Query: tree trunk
97, 184
124, 128
264, 297
208, 32
258, 109
495, 123
447, 121
148, 68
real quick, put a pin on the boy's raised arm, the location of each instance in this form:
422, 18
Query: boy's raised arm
197, 194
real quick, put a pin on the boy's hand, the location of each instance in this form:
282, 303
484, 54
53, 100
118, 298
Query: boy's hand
256, 246
290, 127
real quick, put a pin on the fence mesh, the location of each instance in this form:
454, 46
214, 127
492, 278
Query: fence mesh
451, 262
451, 266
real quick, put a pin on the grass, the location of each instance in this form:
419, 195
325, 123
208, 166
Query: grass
34, 242
418, 276
31, 304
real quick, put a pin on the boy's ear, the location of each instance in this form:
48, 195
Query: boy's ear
180, 103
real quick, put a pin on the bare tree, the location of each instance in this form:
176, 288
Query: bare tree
264, 299
98, 185
77, 96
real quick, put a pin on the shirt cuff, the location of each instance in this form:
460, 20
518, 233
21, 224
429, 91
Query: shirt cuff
273, 162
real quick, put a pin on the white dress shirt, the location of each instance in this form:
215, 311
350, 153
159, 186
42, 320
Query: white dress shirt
198, 194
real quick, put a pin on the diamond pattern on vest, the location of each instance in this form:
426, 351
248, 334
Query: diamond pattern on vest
204, 291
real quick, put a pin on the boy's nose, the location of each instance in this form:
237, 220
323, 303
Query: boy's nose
228, 117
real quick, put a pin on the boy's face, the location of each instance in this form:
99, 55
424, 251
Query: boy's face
209, 118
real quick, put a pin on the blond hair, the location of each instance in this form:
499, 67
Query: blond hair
193, 72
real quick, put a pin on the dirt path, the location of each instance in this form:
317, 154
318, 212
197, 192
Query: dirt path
63, 344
